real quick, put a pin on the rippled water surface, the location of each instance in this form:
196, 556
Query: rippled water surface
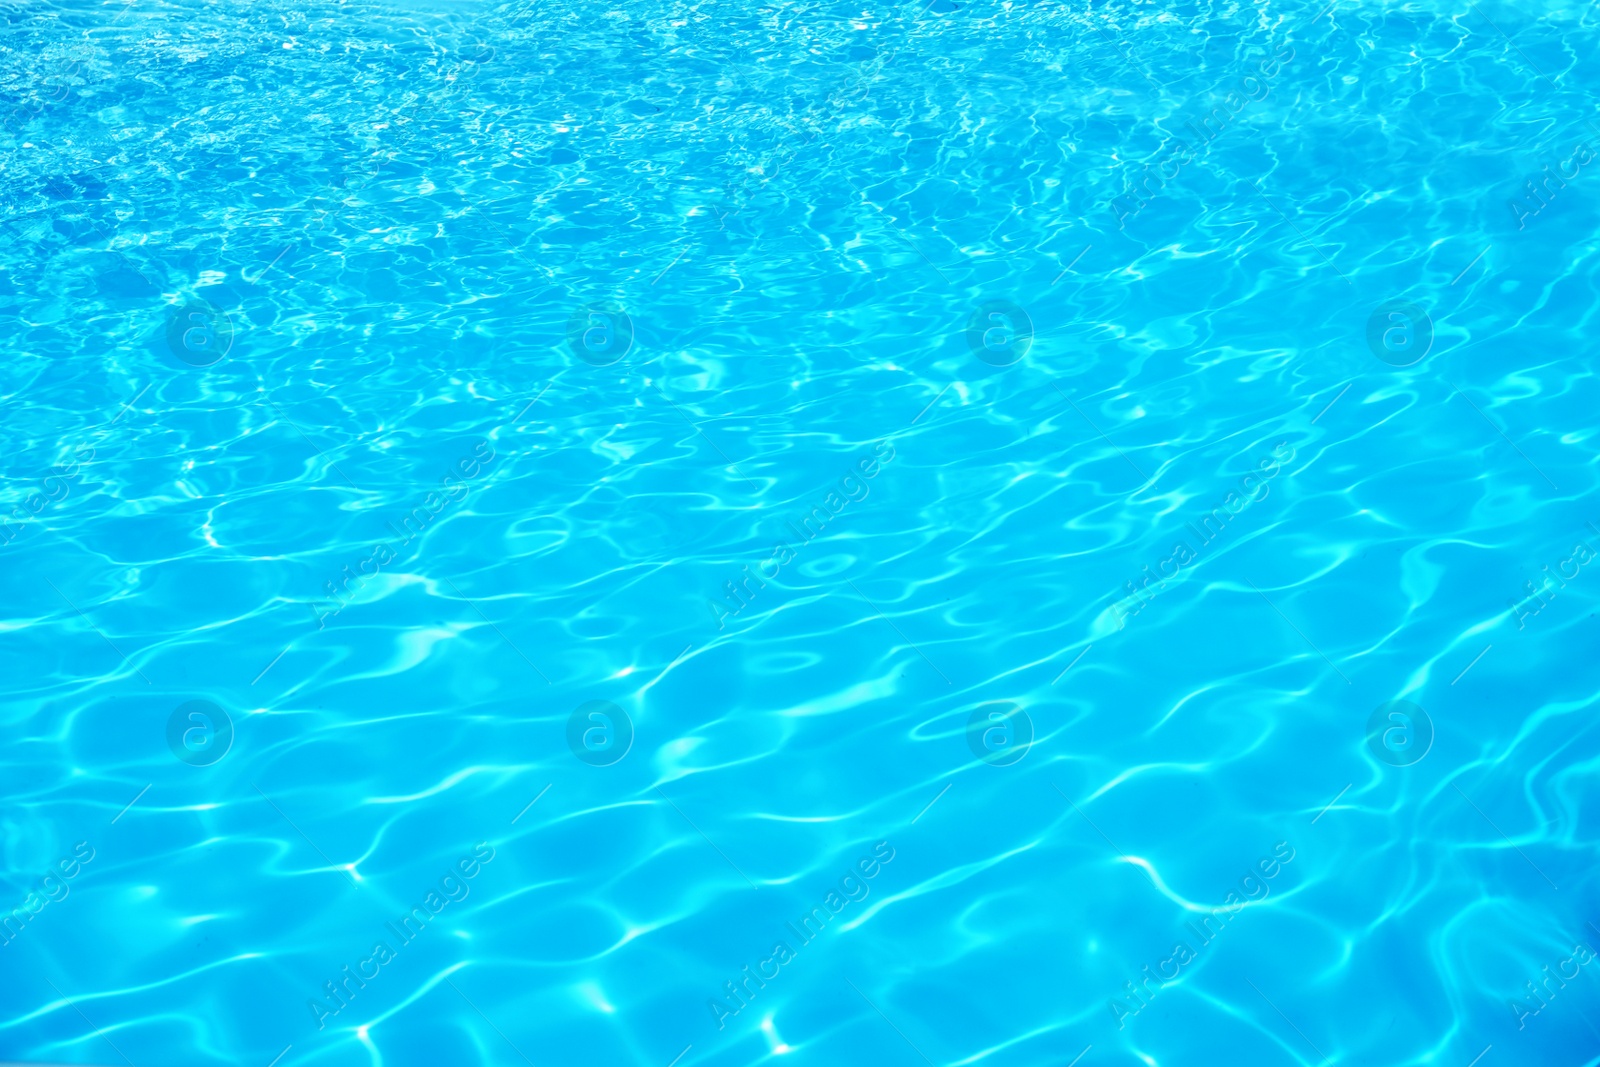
693, 533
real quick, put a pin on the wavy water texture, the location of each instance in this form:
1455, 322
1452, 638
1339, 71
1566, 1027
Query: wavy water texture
625, 485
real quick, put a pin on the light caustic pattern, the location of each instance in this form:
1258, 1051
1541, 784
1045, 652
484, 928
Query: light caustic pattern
953, 532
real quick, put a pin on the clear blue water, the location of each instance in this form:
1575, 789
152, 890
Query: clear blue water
967, 532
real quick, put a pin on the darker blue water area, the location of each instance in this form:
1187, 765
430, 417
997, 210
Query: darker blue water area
684, 535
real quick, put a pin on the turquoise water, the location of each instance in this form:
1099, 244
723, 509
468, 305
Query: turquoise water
706, 534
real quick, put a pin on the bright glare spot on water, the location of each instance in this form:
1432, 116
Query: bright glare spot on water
591, 993
777, 1043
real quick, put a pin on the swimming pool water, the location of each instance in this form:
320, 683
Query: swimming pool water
831, 533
